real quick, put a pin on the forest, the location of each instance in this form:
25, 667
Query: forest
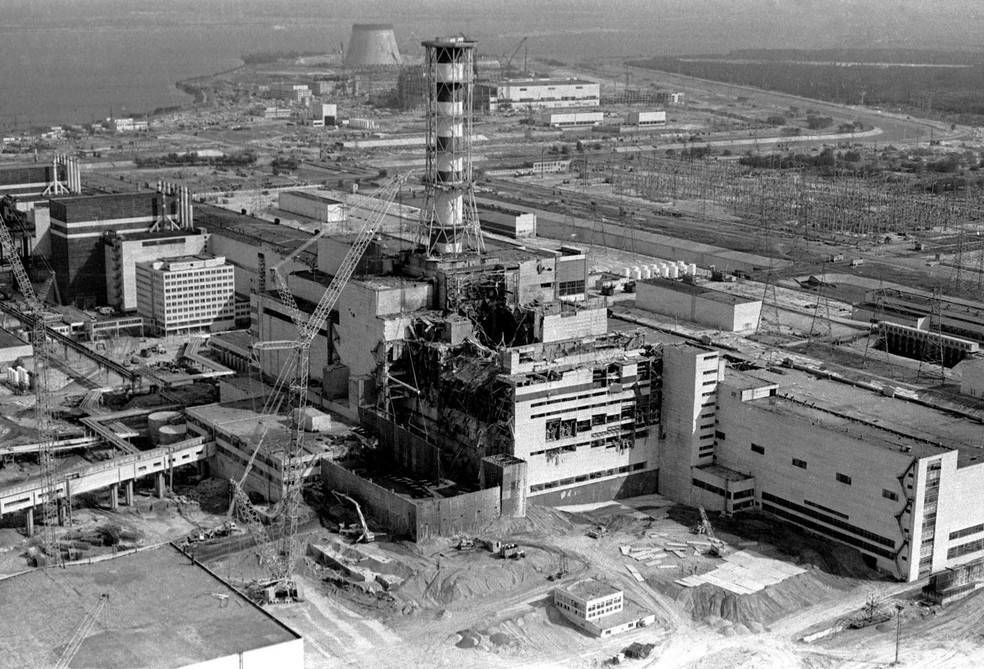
950, 85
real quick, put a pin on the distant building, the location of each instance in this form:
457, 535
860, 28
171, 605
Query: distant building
127, 124
278, 112
538, 94
186, 295
322, 113
572, 118
646, 118
298, 93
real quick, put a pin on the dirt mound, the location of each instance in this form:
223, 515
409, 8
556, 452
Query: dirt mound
539, 521
474, 575
713, 604
212, 495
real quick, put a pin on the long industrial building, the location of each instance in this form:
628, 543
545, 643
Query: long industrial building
538, 94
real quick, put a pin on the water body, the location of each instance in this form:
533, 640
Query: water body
80, 60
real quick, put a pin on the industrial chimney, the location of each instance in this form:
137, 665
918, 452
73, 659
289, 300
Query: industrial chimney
450, 217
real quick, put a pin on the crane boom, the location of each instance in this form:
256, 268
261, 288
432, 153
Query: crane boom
72, 647
42, 397
281, 562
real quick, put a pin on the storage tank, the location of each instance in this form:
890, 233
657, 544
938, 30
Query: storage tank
627, 272
172, 434
158, 420
636, 272
647, 273
674, 272
692, 269
664, 270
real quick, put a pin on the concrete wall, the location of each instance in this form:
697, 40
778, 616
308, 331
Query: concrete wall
572, 325
417, 519
603, 490
405, 449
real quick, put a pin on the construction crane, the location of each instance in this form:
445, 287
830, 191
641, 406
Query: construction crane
507, 66
366, 536
42, 395
72, 647
277, 550
718, 547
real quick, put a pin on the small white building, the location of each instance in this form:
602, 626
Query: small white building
646, 118
572, 118
187, 294
598, 608
972, 377
128, 124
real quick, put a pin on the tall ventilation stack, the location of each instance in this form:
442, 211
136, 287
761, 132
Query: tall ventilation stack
450, 217
372, 45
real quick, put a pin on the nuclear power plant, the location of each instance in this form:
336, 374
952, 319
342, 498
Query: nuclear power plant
372, 45
495, 351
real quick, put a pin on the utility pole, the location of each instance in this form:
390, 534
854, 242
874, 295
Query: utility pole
898, 631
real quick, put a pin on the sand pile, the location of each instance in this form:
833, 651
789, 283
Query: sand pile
474, 576
713, 604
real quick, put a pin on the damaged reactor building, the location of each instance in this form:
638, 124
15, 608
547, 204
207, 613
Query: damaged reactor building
478, 364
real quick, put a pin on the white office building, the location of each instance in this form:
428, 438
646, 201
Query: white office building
186, 295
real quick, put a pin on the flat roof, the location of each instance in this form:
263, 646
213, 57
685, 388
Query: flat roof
163, 611
589, 588
886, 422
699, 291
318, 196
544, 82
926, 296
244, 420
249, 230
161, 234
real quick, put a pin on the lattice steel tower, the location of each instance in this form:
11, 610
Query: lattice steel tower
450, 218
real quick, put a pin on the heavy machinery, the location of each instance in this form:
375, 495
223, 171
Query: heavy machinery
277, 548
718, 547
361, 533
42, 394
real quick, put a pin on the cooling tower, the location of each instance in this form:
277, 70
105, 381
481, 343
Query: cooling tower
372, 45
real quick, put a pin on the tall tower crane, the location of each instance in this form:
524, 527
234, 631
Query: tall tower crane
278, 548
42, 396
